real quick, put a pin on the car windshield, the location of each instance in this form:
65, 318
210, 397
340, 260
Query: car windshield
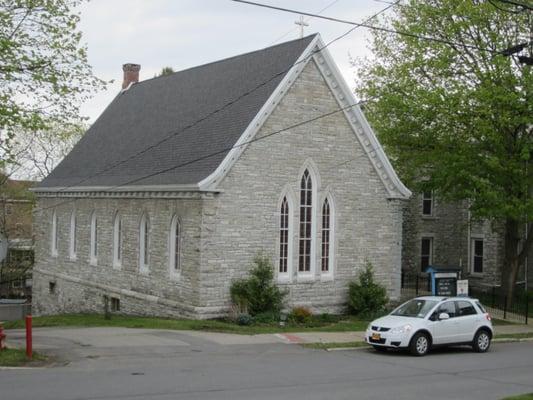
415, 308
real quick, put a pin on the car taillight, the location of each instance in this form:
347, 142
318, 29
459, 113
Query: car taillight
487, 315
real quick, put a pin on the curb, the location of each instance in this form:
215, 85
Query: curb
512, 340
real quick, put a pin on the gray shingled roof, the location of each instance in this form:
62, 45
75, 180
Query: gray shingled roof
151, 109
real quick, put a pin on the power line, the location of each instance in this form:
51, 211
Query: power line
307, 20
224, 150
365, 25
516, 3
223, 107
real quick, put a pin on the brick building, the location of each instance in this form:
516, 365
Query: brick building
184, 178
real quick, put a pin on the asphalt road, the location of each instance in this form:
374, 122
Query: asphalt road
164, 365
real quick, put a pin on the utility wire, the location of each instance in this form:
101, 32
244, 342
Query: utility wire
224, 150
208, 115
365, 25
307, 20
516, 3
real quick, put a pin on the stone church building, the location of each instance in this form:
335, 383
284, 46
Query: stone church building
185, 178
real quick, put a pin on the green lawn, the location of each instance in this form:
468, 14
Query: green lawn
17, 358
334, 345
345, 323
520, 397
526, 335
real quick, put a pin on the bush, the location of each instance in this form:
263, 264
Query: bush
269, 317
258, 293
244, 319
300, 315
366, 297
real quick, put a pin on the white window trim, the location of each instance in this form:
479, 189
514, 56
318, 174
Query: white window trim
118, 235
73, 236
432, 198
144, 264
54, 239
93, 250
287, 276
473, 238
332, 226
174, 224
315, 180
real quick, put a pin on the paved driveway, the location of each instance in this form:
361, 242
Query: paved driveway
117, 363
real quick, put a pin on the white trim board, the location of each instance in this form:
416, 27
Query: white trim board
362, 130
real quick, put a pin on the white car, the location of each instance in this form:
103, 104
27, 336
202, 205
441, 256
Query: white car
429, 321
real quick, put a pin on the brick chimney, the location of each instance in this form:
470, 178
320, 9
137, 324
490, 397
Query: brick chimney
131, 74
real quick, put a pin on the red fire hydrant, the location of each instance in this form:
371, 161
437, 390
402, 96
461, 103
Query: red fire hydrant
2, 338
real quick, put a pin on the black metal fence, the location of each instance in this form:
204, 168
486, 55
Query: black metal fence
494, 298
414, 285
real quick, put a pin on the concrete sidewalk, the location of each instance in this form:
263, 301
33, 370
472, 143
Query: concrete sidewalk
85, 339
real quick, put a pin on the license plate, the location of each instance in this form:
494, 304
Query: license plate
376, 336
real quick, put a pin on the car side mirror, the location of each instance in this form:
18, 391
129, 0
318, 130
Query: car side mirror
443, 316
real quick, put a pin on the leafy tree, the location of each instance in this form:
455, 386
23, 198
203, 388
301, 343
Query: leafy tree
44, 73
457, 117
36, 154
166, 71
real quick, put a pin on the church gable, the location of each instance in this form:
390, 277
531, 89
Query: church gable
317, 57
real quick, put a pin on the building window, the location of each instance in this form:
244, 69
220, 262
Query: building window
326, 237
477, 256
426, 253
94, 239
284, 237
117, 240
306, 210
55, 234
51, 287
175, 246
72, 245
115, 304
427, 203
144, 243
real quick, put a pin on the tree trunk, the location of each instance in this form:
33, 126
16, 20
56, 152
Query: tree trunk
510, 263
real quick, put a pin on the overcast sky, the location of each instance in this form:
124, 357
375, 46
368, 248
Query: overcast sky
186, 33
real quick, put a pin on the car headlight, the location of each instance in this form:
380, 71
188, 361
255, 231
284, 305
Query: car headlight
401, 329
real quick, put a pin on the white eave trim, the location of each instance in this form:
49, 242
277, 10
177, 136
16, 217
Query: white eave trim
214, 179
362, 130
133, 188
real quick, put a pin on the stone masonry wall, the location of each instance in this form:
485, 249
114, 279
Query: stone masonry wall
243, 219
452, 232
80, 286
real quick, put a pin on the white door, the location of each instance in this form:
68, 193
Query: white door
468, 320
446, 330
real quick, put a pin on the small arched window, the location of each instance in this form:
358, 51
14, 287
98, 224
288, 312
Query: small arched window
175, 249
73, 238
306, 212
284, 237
94, 239
117, 240
54, 235
144, 243
326, 236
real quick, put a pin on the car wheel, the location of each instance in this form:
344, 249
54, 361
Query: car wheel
419, 345
381, 349
481, 341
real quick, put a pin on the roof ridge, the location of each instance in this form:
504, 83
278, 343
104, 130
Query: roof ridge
223, 59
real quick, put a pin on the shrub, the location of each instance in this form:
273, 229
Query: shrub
258, 293
267, 317
366, 297
244, 319
300, 315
